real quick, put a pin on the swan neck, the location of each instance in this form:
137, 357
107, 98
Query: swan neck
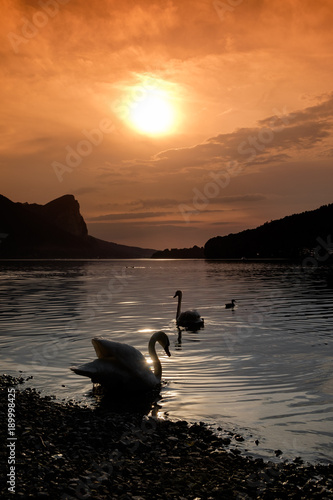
179, 306
155, 360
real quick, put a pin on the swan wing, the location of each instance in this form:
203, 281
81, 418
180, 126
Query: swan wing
123, 360
98, 370
189, 316
122, 352
115, 376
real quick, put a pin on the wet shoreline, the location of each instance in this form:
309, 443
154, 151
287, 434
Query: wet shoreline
65, 451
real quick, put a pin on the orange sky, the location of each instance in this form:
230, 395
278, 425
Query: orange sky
249, 85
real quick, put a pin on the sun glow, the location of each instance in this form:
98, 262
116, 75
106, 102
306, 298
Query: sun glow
151, 111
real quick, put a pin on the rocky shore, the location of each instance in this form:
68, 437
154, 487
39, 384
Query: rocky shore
65, 451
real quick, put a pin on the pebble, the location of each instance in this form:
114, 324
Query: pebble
65, 451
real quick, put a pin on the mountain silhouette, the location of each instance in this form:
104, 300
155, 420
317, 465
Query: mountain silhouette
293, 237
55, 230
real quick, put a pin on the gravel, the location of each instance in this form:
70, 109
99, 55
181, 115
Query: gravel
66, 451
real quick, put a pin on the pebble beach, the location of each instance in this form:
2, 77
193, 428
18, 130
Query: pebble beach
66, 451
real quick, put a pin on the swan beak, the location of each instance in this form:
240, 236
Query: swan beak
167, 350
175, 295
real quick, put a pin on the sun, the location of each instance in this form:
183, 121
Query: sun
153, 115
151, 111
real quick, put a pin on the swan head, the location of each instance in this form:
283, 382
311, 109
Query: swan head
179, 293
163, 339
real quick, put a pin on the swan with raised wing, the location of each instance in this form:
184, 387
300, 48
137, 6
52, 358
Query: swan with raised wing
121, 367
188, 319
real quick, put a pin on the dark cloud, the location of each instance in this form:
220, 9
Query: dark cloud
242, 198
129, 215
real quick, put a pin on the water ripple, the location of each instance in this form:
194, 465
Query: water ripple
266, 366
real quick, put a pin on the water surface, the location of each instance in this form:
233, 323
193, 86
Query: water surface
263, 370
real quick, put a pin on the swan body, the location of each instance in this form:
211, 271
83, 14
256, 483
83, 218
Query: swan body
121, 367
187, 319
230, 305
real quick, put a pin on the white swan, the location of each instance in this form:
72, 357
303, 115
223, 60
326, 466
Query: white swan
230, 305
188, 319
121, 367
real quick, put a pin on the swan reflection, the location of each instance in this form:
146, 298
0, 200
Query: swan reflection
141, 404
189, 338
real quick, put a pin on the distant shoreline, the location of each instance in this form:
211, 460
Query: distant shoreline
87, 259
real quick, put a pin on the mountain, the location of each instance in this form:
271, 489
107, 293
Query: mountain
309, 233
55, 230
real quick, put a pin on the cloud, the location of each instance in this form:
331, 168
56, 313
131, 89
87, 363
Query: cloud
139, 204
236, 80
129, 215
251, 198
85, 190
274, 139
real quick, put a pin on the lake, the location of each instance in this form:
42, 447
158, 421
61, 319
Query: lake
263, 370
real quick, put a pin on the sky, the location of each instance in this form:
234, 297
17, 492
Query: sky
170, 122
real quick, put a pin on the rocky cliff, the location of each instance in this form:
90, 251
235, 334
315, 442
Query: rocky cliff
54, 230
64, 212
